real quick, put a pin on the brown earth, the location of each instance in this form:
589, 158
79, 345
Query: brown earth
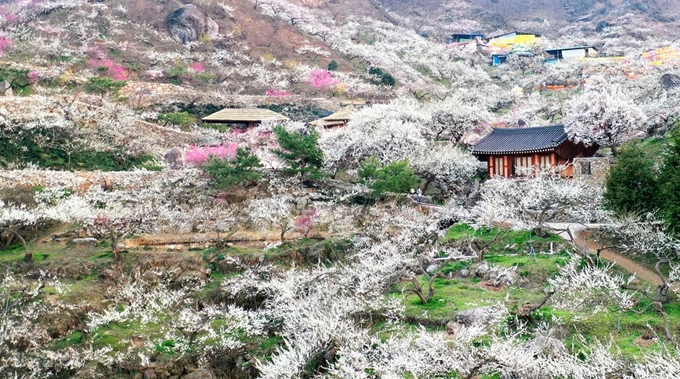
627, 264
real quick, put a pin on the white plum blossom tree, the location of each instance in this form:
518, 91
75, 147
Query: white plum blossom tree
604, 115
534, 202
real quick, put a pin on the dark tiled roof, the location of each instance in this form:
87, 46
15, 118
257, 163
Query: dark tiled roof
521, 140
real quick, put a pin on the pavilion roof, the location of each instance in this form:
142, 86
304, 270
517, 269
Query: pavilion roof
521, 140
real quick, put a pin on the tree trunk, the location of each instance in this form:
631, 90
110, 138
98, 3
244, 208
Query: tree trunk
428, 181
418, 290
28, 257
114, 247
615, 151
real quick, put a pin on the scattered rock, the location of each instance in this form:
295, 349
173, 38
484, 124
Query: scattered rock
109, 273
464, 273
188, 24
432, 268
201, 373
88, 242
526, 309
482, 316
173, 158
482, 270
210, 141
452, 328
65, 236
546, 346
6, 88
558, 331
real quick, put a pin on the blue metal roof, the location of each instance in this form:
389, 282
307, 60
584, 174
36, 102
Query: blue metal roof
521, 140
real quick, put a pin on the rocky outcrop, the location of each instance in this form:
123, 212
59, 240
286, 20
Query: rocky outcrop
188, 24
670, 81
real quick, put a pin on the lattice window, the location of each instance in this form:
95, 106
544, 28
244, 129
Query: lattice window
523, 166
545, 162
498, 166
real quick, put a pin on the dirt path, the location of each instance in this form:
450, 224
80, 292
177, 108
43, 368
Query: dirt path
627, 264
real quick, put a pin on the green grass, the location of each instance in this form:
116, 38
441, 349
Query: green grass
119, 336
508, 241
457, 294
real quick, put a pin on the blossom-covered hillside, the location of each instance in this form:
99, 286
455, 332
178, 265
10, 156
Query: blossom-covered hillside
333, 216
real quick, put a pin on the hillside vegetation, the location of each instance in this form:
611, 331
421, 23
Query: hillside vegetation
137, 241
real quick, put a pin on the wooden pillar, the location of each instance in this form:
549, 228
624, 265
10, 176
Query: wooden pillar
506, 166
490, 166
537, 164
553, 163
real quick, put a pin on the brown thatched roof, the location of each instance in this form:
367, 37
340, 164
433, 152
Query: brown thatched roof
337, 118
229, 115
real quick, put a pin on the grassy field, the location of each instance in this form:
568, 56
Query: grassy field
632, 333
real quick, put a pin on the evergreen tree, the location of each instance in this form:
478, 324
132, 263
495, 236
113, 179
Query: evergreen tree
670, 182
396, 177
632, 186
300, 151
238, 171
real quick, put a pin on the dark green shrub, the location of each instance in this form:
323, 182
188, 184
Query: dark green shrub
632, 185
300, 151
396, 177
239, 171
385, 77
178, 74
102, 85
670, 182
176, 118
332, 65
17, 78
57, 157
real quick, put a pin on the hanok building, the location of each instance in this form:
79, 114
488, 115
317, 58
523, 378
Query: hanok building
243, 117
518, 152
335, 120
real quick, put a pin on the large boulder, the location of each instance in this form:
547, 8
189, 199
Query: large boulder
545, 345
173, 158
482, 316
670, 81
188, 24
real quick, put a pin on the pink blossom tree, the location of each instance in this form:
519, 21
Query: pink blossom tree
198, 155
322, 79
